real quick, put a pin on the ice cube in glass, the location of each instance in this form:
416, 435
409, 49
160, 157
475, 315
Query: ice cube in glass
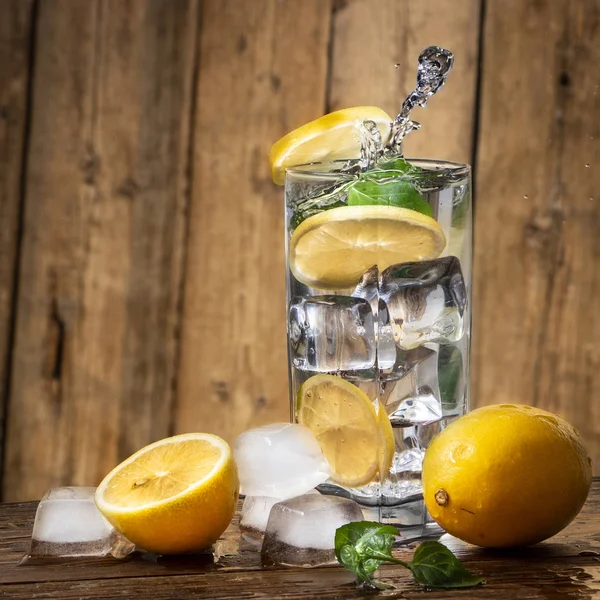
331, 333
426, 301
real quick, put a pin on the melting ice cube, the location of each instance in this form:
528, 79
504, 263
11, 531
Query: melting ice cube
281, 460
68, 523
426, 301
331, 333
301, 531
255, 512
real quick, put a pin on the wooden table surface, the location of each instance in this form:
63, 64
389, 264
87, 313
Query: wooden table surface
567, 566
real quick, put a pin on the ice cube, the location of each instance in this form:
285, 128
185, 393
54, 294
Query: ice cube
255, 512
411, 392
281, 460
426, 301
331, 333
68, 523
301, 531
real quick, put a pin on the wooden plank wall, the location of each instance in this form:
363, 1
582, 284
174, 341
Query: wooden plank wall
138, 214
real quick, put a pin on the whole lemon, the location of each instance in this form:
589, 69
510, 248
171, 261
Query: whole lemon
506, 475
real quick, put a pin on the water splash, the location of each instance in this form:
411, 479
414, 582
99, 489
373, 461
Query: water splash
371, 145
434, 67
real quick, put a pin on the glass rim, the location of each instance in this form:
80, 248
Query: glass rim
442, 168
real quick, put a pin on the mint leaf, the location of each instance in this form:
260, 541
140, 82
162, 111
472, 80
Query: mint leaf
435, 566
395, 164
388, 193
450, 375
363, 546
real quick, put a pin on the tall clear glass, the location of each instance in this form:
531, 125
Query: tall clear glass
396, 332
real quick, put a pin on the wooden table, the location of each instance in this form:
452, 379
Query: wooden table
567, 566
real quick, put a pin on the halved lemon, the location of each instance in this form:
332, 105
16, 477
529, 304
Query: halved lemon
333, 136
332, 249
175, 495
343, 419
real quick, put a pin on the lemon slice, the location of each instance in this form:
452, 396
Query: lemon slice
332, 249
387, 443
343, 419
175, 495
333, 136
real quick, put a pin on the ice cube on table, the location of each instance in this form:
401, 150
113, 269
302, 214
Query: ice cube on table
281, 460
426, 301
331, 333
68, 524
255, 512
301, 531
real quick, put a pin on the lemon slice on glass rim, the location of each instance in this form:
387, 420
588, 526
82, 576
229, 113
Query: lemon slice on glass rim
330, 137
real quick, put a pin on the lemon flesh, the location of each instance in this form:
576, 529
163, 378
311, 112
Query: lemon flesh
345, 423
332, 249
506, 476
176, 495
387, 443
333, 136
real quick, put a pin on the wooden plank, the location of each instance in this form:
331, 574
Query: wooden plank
371, 36
566, 563
103, 239
16, 22
537, 245
506, 580
262, 73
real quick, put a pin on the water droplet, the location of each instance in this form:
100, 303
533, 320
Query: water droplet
525, 197
591, 199
587, 165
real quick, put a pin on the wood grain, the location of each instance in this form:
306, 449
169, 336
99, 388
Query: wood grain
262, 73
100, 275
565, 566
16, 21
537, 219
371, 36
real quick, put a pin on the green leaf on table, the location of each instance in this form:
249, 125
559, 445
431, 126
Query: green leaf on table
434, 565
388, 193
363, 546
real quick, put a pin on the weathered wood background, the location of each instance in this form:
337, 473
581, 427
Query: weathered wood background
141, 258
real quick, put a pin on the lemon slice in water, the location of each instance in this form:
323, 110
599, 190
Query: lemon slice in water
345, 423
332, 249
